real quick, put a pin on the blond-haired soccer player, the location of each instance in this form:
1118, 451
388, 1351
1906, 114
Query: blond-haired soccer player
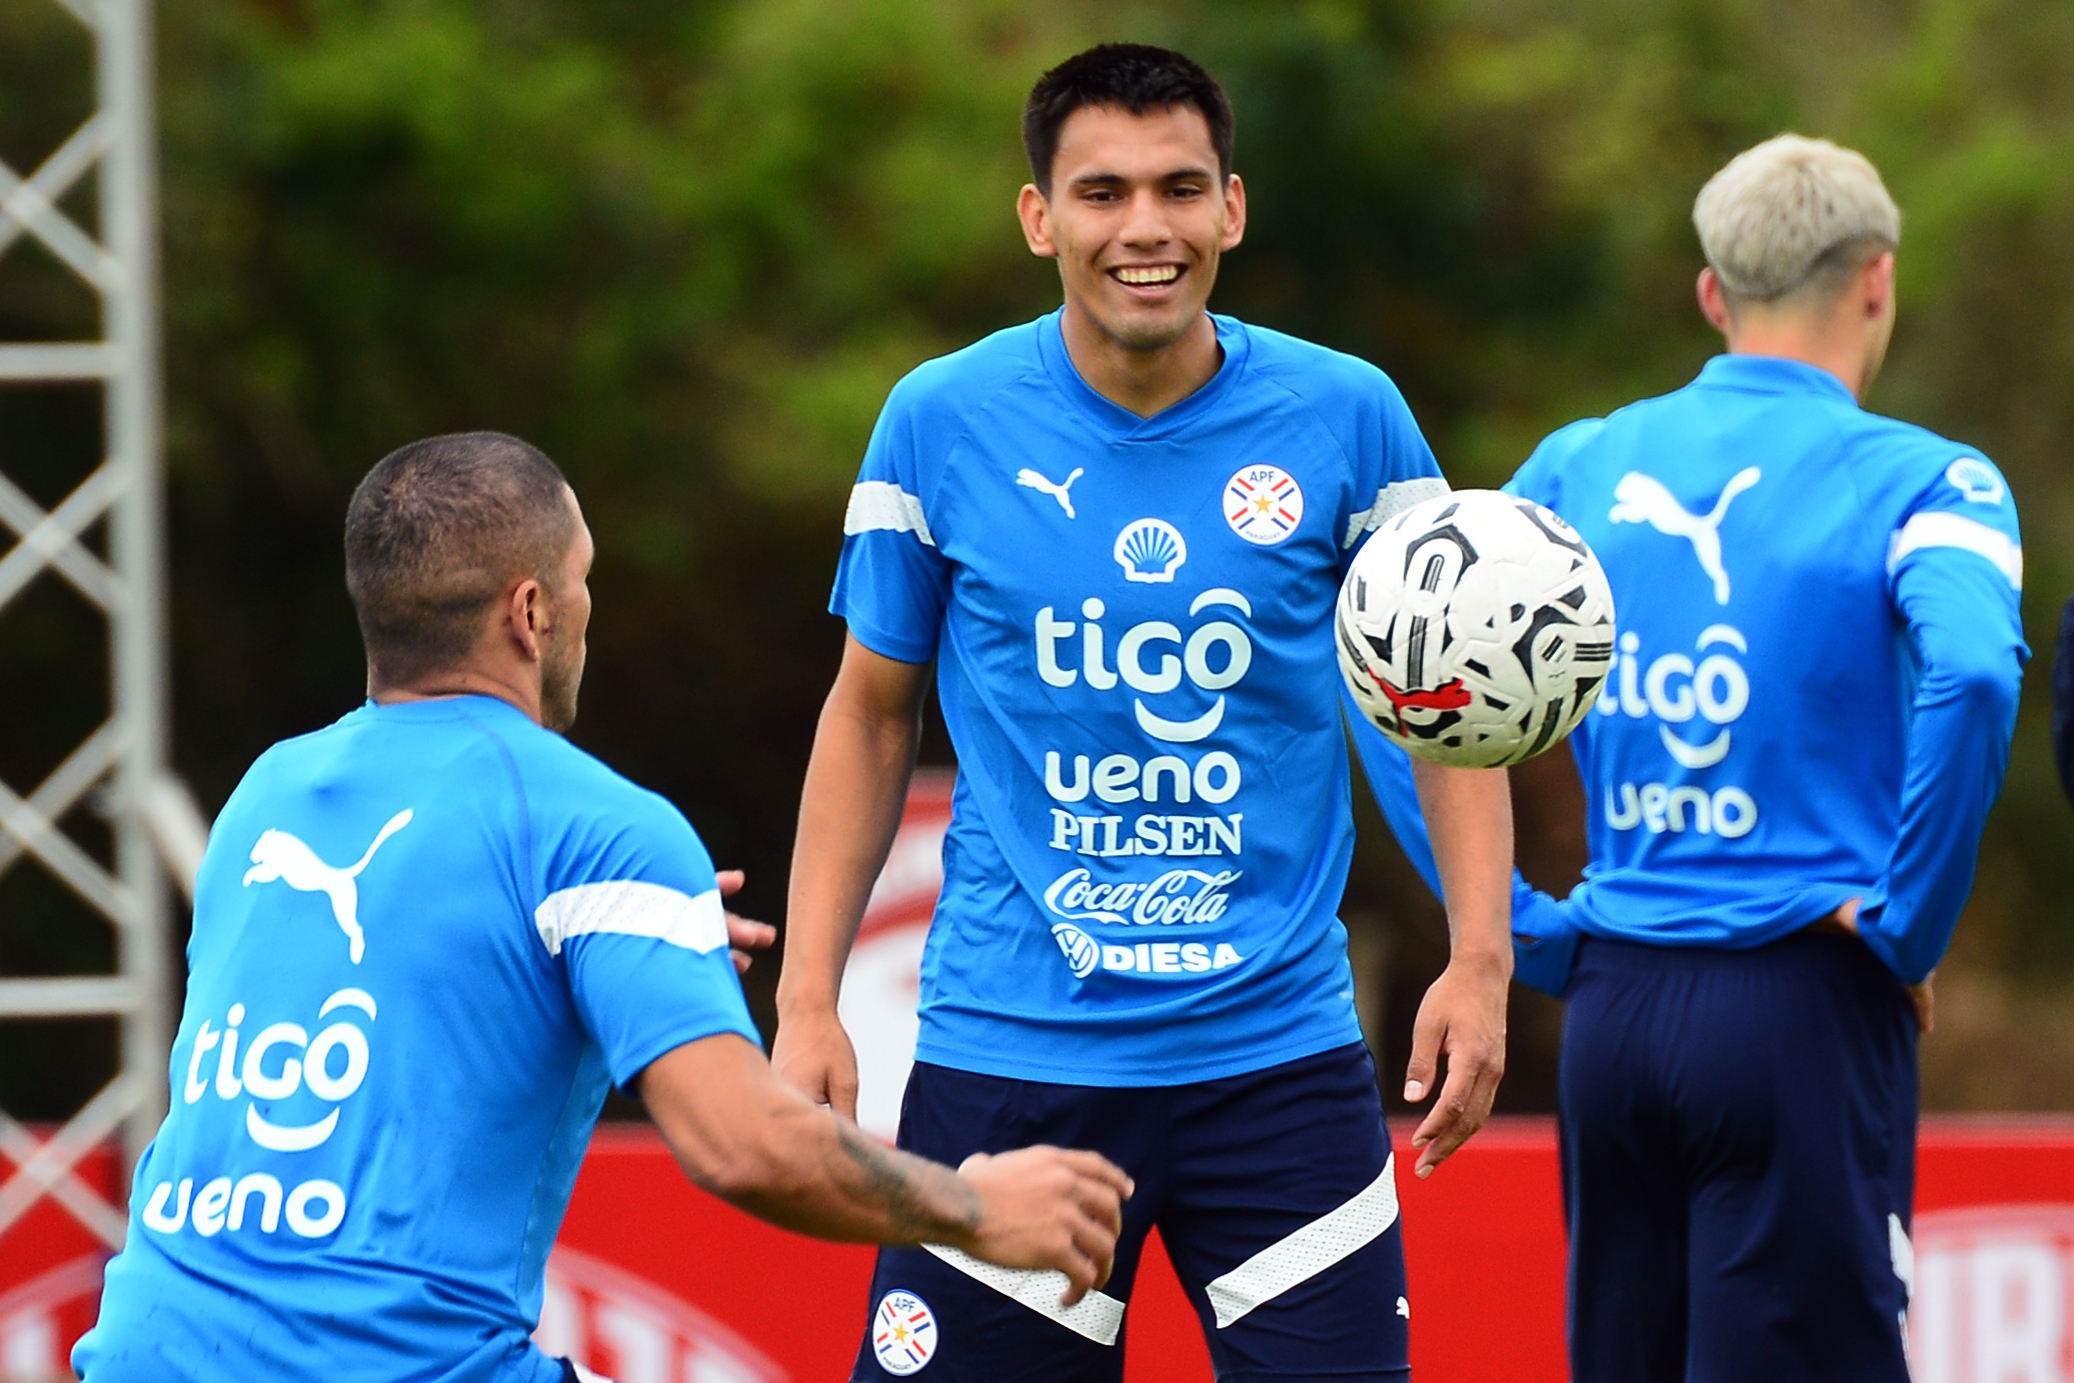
1787, 777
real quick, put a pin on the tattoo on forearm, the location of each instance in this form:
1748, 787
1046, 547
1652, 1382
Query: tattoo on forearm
902, 1185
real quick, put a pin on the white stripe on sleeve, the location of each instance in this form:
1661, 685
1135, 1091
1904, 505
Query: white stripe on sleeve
1941, 529
1390, 501
880, 504
628, 907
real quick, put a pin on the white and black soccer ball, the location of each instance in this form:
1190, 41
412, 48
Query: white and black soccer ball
1475, 629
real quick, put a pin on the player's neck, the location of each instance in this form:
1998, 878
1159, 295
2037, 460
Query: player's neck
443, 686
1840, 348
1141, 380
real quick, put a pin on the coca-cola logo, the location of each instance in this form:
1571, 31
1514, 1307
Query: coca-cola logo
1179, 897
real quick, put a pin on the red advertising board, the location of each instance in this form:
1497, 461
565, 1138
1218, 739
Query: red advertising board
656, 1282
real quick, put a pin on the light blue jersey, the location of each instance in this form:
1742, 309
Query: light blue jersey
426, 941
1818, 662
1132, 625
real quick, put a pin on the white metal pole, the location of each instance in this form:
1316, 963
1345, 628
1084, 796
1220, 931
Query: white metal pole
131, 322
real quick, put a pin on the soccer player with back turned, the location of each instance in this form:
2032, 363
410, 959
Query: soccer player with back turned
1787, 776
427, 938
1118, 532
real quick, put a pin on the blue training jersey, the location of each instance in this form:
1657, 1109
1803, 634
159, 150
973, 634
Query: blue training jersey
426, 940
1132, 625
1818, 662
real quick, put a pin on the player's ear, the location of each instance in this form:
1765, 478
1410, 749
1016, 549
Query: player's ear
526, 615
1713, 301
1033, 210
1876, 284
1234, 213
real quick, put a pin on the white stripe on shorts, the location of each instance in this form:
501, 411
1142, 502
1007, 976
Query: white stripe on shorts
1309, 1251
1097, 1316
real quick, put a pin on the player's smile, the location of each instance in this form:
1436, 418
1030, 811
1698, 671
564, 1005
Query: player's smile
1150, 284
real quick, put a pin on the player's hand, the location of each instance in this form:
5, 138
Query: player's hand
813, 1054
1049, 1208
743, 935
1921, 995
1463, 1019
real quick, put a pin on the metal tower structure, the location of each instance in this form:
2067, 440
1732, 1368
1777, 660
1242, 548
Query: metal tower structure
125, 759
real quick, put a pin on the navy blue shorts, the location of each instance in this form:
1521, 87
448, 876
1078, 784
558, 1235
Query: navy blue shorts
1738, 1138
1273, 1192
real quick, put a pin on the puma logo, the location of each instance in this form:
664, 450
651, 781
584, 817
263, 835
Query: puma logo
281, 856
1031, 478
1639, 498
1448, 696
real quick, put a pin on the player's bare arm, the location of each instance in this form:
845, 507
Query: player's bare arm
1469, 817
753, 1140
864, 754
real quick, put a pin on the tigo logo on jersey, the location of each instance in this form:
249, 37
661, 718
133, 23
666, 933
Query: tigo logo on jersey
1263, 504
1150, 550
1976, 480
1675, 689
903, 1333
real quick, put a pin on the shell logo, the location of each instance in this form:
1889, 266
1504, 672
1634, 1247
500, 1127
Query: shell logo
1994, 1295
1150, 550
632, 1331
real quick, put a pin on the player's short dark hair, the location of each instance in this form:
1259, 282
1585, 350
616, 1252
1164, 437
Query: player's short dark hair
1136, 77
434, 534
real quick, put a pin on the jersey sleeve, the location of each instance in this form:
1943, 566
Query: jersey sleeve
1393, 468
893, 581
1955, 572
633, 912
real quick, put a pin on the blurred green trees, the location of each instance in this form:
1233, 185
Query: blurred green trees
687, 248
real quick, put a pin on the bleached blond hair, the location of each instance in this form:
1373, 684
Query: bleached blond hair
1781, 214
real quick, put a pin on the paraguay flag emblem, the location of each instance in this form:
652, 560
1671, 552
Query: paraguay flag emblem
903, 1333
1263, 504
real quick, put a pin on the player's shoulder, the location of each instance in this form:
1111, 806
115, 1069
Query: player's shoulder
1906, 458
1540, 477
956, 386
1329, 380
566, 784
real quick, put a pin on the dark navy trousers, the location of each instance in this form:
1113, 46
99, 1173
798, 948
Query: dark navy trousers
1738, 1147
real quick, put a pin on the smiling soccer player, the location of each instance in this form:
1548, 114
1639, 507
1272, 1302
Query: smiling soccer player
1118, 532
